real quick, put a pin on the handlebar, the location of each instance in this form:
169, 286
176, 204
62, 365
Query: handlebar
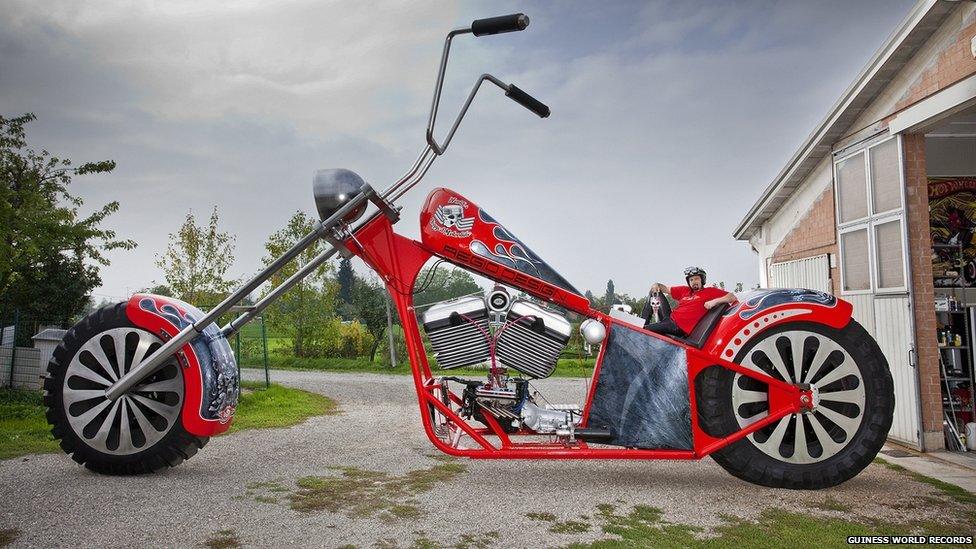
479, 27
527, 101
500, 24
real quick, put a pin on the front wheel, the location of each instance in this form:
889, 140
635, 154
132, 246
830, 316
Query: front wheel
843, 432
141, 431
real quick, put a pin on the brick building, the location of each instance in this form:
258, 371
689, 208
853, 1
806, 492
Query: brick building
878, 206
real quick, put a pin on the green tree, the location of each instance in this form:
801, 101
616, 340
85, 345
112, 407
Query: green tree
443, 284
609, 298
304, 312
90, 307
345, 277
636, 305
369, 306
196, 261
158, 289
598, 303
49, 253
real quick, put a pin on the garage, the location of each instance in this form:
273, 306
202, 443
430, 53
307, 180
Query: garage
878, 206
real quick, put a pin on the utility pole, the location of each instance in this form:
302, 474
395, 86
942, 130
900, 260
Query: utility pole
389, 330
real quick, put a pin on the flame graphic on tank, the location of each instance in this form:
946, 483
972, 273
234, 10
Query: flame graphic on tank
450, 222
511, 252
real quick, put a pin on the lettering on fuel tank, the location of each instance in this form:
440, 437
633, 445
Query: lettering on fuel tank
503, 273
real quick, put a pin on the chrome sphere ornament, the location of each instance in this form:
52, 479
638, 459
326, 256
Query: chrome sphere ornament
593, 331
498, 299
333, 189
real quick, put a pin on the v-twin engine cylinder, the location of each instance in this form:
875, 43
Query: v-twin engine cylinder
532, 339
526, 337
458, 331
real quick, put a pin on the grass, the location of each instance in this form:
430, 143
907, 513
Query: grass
277, 406
829, 504
643, 526
23, 427
8, 536
223, 539
363, 493
570, 527
465, 541
954, 492
566, 367
560, 527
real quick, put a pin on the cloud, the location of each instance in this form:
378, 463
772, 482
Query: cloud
668, 118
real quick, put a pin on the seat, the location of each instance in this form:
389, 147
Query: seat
705, 327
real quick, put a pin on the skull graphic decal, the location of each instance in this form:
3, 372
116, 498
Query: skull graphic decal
451, 218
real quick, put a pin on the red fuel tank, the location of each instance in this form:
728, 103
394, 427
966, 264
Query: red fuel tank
456, 228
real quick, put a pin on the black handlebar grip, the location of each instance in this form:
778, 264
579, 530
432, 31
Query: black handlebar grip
500, 24
527, 101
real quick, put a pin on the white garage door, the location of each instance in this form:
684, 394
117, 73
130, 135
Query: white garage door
812, 273
869, 199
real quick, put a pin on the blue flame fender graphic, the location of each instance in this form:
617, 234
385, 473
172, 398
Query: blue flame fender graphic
211, 395
760, 310
758, 301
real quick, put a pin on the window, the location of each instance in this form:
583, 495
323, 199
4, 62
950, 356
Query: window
852, 195
854, 260
885, 179
870, 218
891, 263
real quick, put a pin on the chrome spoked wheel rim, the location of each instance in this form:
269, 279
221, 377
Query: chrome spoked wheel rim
808, 359
138, 419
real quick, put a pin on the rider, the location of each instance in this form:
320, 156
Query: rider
693, 301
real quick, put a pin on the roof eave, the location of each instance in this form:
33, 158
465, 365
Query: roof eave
751, 223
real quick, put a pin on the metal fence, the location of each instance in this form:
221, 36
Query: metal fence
26, 345
250, 345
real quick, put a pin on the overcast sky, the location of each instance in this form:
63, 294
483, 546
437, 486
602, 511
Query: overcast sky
668, 117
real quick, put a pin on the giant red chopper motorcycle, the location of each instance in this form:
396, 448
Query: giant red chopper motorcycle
782, 389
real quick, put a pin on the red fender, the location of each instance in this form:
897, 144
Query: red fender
211, 386
759, 310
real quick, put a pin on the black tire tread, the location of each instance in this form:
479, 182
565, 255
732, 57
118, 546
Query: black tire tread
174, 448
742, 459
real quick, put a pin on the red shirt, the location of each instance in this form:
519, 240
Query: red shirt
691, 305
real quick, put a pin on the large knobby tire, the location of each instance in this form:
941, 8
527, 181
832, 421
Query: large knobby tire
854, 404
140, 432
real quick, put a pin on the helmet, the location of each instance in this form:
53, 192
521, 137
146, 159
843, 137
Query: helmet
694, 271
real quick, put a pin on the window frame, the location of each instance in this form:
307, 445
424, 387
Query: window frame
901, 180
877, 258
867, 183
850, 228
873, 220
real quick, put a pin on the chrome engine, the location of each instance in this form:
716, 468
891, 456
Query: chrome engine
504, 333
514, 406
532, 338
457, 331
526, 337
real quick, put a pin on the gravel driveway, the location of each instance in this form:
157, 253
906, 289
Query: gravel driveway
237, 483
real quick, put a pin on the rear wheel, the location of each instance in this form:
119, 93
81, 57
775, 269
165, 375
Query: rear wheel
969, 271
825, 446
141, 431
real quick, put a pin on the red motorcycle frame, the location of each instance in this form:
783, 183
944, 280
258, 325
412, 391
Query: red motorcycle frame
82, 396
398, 261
